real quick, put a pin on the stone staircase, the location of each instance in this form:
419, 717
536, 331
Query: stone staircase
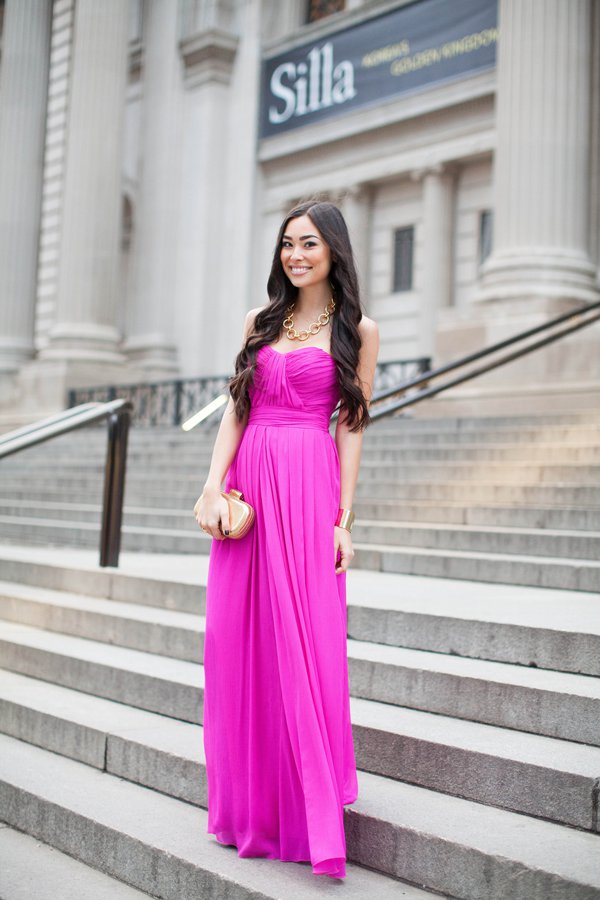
475, 700
511, 500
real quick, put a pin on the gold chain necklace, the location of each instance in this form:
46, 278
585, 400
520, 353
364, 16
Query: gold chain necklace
313, 328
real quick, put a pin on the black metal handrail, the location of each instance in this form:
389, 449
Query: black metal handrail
118, 416
427, 377
173, 401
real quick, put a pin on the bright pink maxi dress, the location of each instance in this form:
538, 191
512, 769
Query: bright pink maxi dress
277, 735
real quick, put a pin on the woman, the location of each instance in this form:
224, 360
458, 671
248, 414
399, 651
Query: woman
277, 735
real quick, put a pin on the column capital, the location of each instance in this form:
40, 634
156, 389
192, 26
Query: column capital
359, 191
208, 56
440, 168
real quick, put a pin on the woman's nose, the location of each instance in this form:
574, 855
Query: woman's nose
297, 253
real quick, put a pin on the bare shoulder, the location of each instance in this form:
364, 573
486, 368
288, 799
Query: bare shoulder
369, 351
368, 330
250, 317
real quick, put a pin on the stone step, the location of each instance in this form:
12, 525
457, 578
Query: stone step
410, 419
527, 625
191, 460
71, 513
155, 843
475, 493
531, 629
548, 778
426, 510
480, 539
554, 704
578, 418
528, 432
493, 471
483, 538
578, 453
32, 870
159, 843
167, 582
386, 511
498, 568
160, 684
448, 428
419, 471
170, 633
575, 519
25, 529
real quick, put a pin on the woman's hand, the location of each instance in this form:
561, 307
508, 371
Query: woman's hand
211, 508
342, 541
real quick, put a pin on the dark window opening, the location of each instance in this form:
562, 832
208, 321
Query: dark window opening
486, 226
404, 239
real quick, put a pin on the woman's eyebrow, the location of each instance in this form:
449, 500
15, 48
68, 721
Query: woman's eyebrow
303, 238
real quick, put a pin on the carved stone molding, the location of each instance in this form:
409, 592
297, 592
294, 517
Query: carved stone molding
208, 56
439, 168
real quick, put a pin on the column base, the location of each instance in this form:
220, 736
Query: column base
14, 353
83, 342
152, 354
573, 360
543, 273
41, 387
532, 399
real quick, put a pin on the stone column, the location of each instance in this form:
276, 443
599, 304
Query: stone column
356, 207
149, 340
23, 95
542, 161
218, 157
437, 252
85, 327
595, 138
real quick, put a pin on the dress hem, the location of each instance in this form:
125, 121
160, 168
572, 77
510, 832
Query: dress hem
338, 867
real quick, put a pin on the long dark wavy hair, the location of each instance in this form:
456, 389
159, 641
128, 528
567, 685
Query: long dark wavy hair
345, 339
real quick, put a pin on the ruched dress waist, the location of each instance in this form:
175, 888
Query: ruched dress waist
265, 414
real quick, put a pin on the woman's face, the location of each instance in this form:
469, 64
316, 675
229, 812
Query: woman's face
305, 257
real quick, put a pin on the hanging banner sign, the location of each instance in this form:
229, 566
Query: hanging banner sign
408, 49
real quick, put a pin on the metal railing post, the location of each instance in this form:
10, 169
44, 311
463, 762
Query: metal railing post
114, 487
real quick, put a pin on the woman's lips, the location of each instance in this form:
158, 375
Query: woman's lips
299, 270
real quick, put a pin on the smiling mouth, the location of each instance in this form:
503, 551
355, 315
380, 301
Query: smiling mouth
299, 270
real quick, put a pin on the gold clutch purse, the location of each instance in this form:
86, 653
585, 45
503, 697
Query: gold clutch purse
241, 514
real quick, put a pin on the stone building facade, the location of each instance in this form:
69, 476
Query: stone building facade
150, 148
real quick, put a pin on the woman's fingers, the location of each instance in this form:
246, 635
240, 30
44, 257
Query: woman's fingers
346, 553
224, 516
211, 517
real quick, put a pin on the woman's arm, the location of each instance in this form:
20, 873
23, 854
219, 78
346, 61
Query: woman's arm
210, 506
348, 443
